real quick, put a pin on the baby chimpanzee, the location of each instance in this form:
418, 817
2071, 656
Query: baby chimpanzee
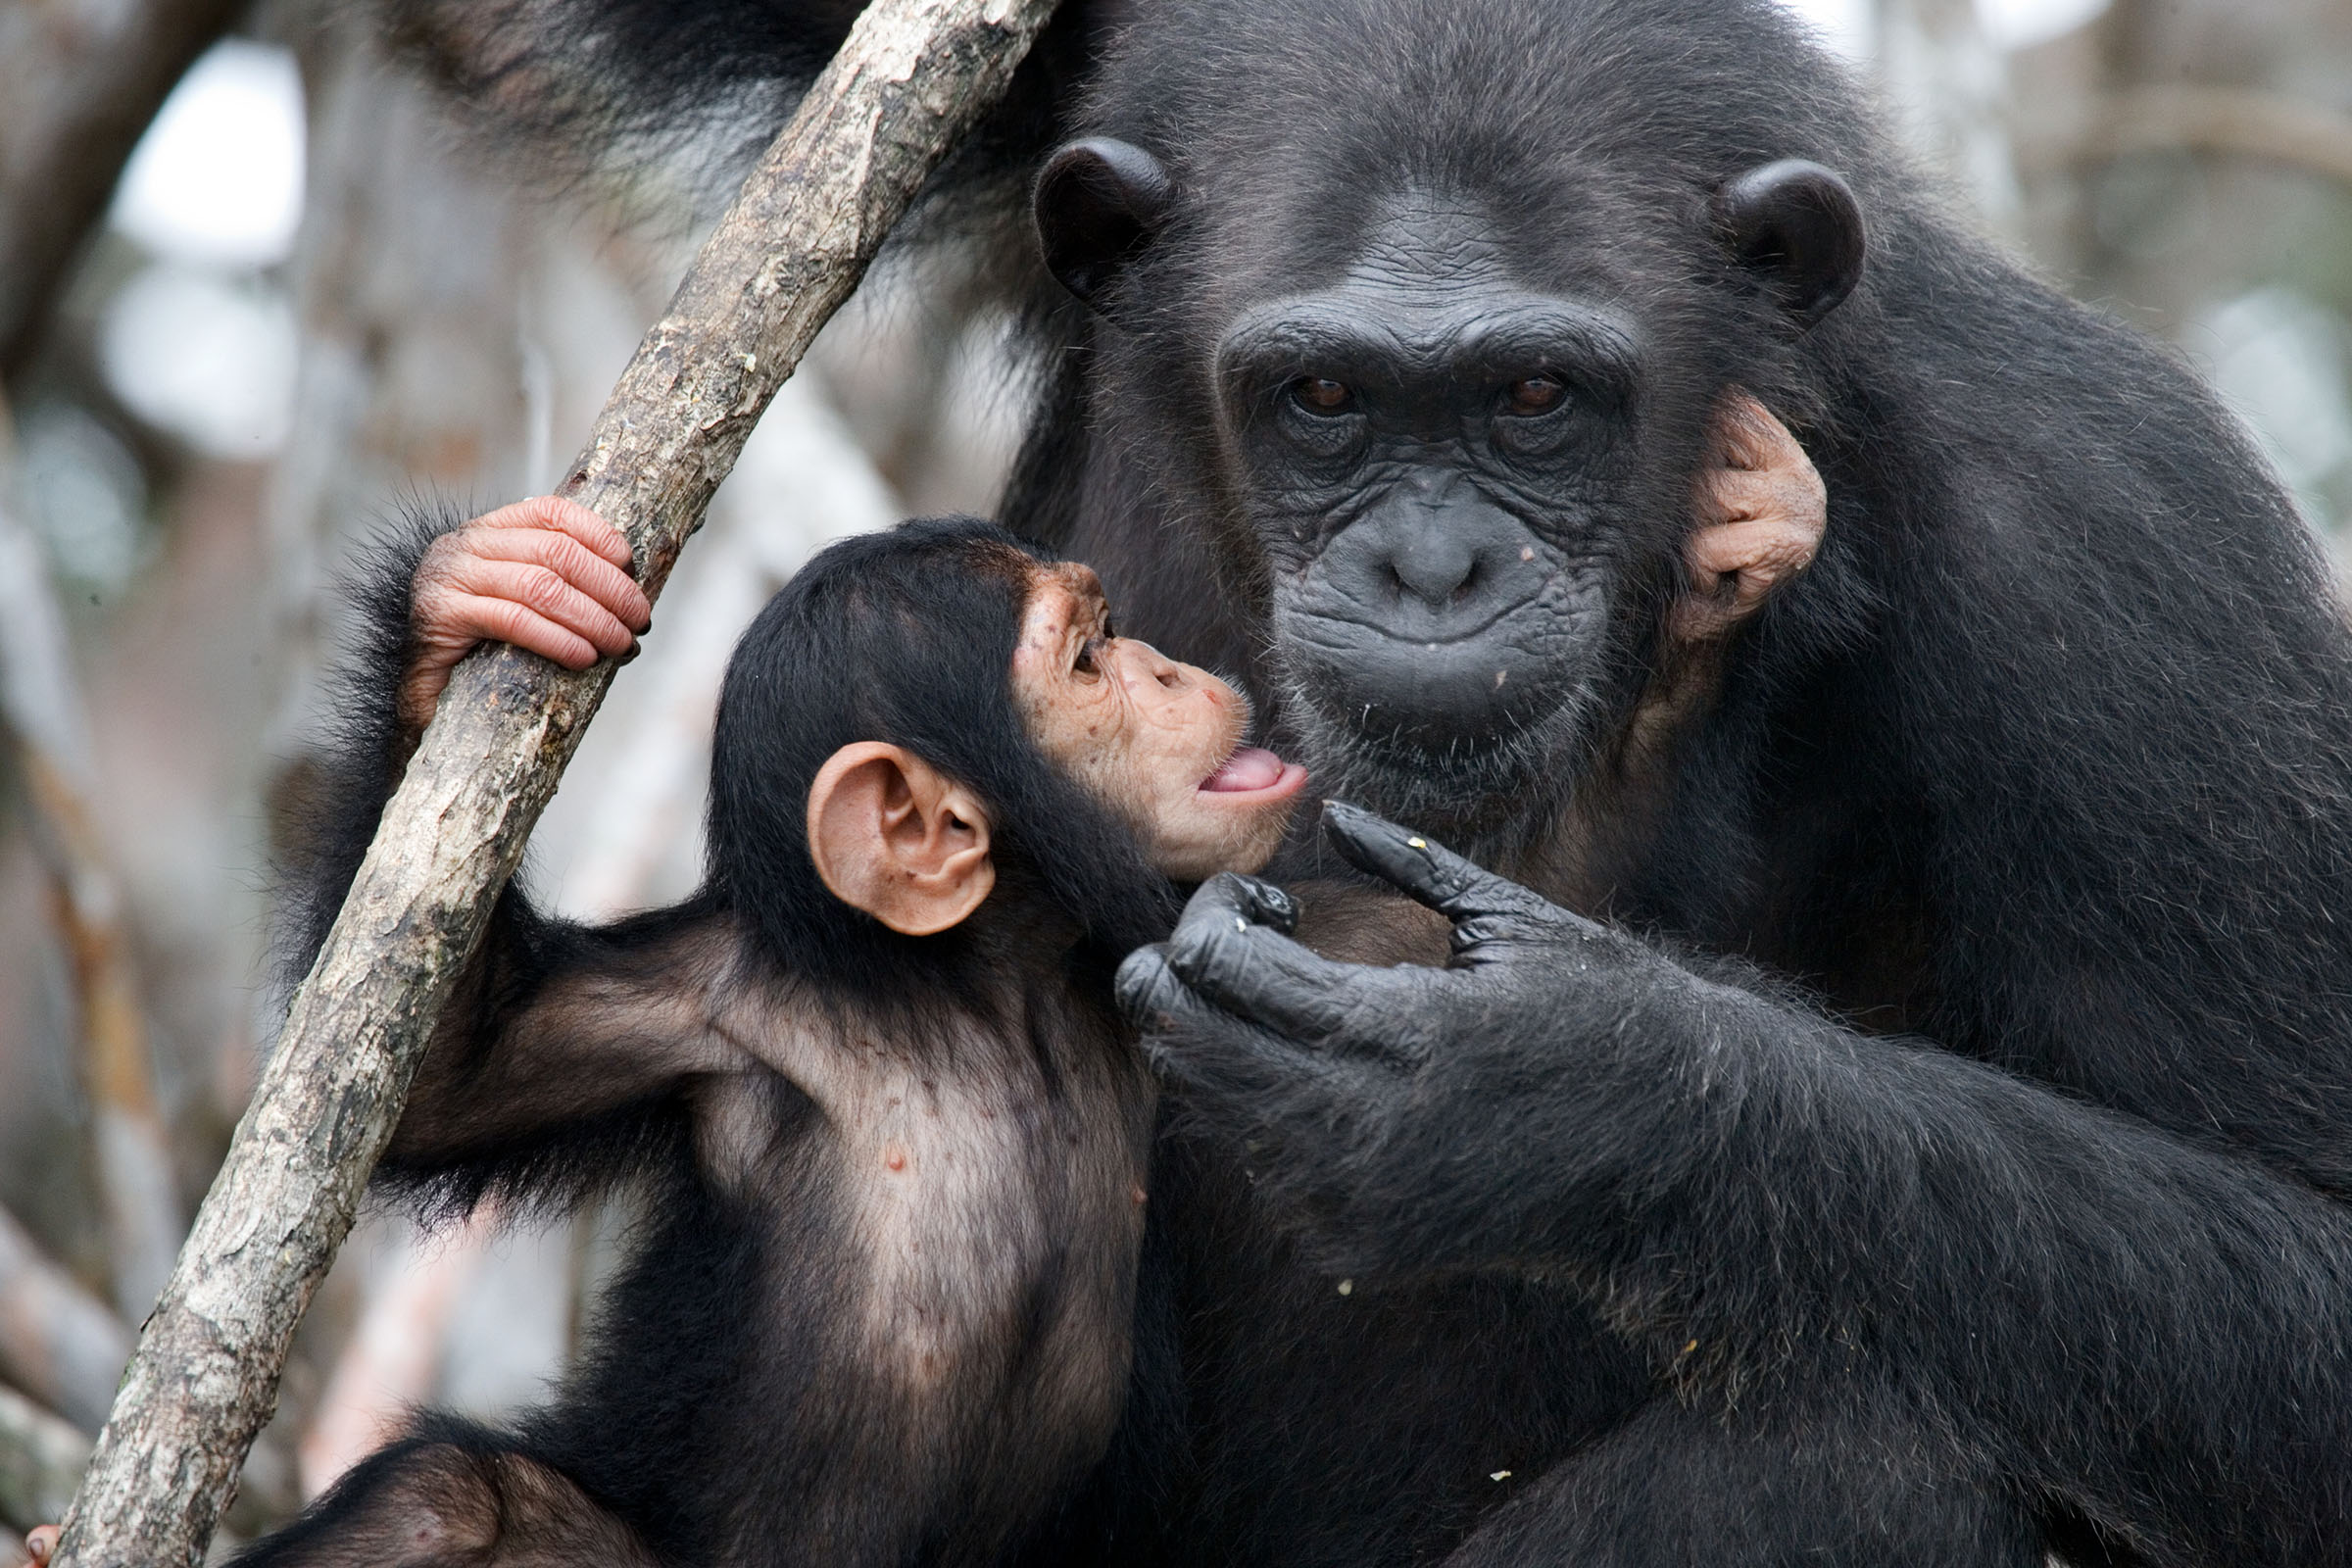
897, 1140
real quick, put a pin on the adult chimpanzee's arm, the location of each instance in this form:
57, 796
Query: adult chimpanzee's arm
559, 1042
1759, 1195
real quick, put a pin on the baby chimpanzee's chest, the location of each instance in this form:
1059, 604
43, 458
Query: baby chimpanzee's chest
985, 1198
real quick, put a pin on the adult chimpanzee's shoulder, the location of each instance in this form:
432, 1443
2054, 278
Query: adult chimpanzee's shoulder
2110, 671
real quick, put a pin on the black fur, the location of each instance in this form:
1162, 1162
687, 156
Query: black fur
2047, 760
344, 780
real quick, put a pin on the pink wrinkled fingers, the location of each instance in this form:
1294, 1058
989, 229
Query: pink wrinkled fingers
1746, 435
537, 589
503, 621
1761, 516
610, 587
565, 516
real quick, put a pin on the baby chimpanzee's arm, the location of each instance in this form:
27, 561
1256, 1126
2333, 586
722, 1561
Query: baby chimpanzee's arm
560, 1060
559, 1043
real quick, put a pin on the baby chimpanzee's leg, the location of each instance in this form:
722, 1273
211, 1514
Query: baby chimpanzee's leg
453, 1495
1678, 1488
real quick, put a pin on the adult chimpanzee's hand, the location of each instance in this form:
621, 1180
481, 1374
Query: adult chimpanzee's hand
1417, 1115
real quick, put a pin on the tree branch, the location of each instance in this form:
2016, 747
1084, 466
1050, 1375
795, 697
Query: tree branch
80, 79
2237, 122
912, 78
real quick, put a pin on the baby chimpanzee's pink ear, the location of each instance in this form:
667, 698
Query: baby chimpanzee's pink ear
897, 838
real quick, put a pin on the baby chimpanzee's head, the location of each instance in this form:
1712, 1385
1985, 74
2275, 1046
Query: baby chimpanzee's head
922, 713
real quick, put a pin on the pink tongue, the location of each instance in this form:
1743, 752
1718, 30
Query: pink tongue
1249, 768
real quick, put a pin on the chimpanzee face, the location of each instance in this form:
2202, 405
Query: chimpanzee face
1158, 742
1436, 461
1452, 434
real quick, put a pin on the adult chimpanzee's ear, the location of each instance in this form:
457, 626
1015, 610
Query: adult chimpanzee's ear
892, 835
1097, 203
1797, 227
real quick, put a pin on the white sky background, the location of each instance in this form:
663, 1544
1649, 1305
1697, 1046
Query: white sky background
201, 343
217, 177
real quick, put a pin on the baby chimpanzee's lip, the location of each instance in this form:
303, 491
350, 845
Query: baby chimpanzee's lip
1254, 770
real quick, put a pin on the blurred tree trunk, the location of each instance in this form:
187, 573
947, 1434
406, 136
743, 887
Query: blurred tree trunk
41, 705
80, 79
2189, 163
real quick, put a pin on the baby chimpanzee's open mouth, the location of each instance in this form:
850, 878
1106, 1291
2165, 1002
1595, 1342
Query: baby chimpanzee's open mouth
1253, 770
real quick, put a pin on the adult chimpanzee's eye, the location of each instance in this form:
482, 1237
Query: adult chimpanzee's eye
1085, 663
1321, 395
1536, 394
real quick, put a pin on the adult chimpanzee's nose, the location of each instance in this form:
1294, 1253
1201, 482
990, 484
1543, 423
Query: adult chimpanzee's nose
1416, 610
1428, 563
1432, 561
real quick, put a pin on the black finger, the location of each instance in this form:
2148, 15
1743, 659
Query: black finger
1210, 1053
1428, 873
1146, 990
1257, 972
1269, 905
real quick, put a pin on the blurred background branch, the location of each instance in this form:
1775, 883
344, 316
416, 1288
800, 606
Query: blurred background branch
41, 1458
2231, 122
40, 702
58, 1342
79, 81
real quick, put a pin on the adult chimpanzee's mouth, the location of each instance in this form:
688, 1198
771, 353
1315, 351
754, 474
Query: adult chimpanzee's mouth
1255, 770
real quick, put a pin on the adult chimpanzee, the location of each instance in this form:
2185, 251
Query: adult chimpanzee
1405, 318
896, 1133
896, 1162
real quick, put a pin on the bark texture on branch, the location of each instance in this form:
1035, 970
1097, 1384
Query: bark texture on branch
80, 79
912, 78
